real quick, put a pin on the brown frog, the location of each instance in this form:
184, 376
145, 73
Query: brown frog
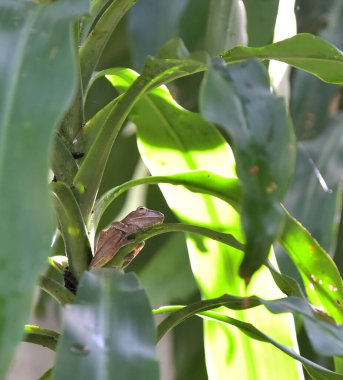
113, 238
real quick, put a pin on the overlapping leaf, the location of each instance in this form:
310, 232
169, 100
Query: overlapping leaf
109, 332
37, 83
238, 99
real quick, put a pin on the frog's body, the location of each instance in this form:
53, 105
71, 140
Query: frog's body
113, 238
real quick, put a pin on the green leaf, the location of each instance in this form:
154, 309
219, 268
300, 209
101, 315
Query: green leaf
238, 98
316, 371
37, 84
304, 51
323, 283
327, 336
109, 331
172, 140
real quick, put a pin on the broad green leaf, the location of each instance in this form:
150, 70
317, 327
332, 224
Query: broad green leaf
171, 140
37, 84
304, 51
109, 332
316, 371
238, 98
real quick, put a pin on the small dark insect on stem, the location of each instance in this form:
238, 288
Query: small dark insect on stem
77, 155
70, 281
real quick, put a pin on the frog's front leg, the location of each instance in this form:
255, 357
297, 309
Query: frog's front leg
129, 257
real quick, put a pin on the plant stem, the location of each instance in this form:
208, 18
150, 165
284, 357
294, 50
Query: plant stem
38, 335
56, 290
73, 229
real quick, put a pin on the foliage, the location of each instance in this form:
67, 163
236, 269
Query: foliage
243, 166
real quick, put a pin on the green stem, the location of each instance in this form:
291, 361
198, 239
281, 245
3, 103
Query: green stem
38, 335
62, 162
56, 290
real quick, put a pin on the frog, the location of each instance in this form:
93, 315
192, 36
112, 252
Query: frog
118, 234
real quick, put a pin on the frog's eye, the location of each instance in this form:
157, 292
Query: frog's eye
141, 209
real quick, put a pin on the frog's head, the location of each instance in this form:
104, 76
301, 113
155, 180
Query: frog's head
144, 217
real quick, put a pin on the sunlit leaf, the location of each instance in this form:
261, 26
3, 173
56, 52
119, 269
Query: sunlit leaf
323, 283
173, 140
